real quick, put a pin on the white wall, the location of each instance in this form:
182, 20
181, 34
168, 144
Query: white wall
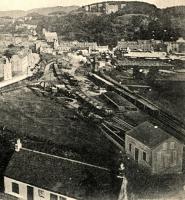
23, 191
7, 71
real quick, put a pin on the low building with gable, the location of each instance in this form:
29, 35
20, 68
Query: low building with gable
154, 148
36, 175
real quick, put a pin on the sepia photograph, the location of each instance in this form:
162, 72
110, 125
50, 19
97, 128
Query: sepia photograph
92, 99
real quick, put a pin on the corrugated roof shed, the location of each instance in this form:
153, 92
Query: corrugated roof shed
119, 100
144, 63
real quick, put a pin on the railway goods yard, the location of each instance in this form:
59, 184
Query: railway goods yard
87, 117
92, 101
116, 111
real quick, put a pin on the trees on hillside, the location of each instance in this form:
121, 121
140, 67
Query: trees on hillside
108, 29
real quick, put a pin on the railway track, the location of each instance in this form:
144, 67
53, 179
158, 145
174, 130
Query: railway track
12, 89
115, 130
122, 123
112, 134
155, 111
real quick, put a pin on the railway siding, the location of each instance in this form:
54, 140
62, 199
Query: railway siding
169, 121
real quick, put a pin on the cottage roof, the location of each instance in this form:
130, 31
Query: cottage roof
58, 174
148, 134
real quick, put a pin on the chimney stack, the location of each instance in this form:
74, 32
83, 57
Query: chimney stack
18, 145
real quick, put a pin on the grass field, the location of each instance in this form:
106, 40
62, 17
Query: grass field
43, 118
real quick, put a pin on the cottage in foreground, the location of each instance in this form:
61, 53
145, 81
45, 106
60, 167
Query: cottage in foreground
33, 175
155, 149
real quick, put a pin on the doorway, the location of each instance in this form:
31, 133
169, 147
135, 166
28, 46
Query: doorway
136, 154
30, 195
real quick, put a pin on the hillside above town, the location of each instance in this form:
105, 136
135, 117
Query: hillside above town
108, 22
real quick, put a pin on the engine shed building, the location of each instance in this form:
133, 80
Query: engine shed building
152, 147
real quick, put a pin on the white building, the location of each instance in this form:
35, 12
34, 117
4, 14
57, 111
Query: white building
111, 8
102, 49
23, 61
50, 36
7, 70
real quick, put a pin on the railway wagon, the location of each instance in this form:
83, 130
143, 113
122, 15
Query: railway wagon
147, 106
123, 91
94, 105
139, 102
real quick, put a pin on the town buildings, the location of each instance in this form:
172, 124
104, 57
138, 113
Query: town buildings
75, 45
20, 63
153, 148
152, 45
141, 45
176, 47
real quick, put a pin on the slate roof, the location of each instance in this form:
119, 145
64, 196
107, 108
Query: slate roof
148, 134
60, 175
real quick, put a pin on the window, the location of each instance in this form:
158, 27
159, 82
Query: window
136, 154
62, 198
159, 157
165, 146
172, 145
130, 147
15, 188
174, 158
166, 160
30, 193
144, 156
53, 197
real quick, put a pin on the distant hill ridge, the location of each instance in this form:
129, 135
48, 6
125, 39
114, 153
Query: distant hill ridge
42, 11
130, 7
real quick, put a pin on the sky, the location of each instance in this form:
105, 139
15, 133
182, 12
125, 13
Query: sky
29, 4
